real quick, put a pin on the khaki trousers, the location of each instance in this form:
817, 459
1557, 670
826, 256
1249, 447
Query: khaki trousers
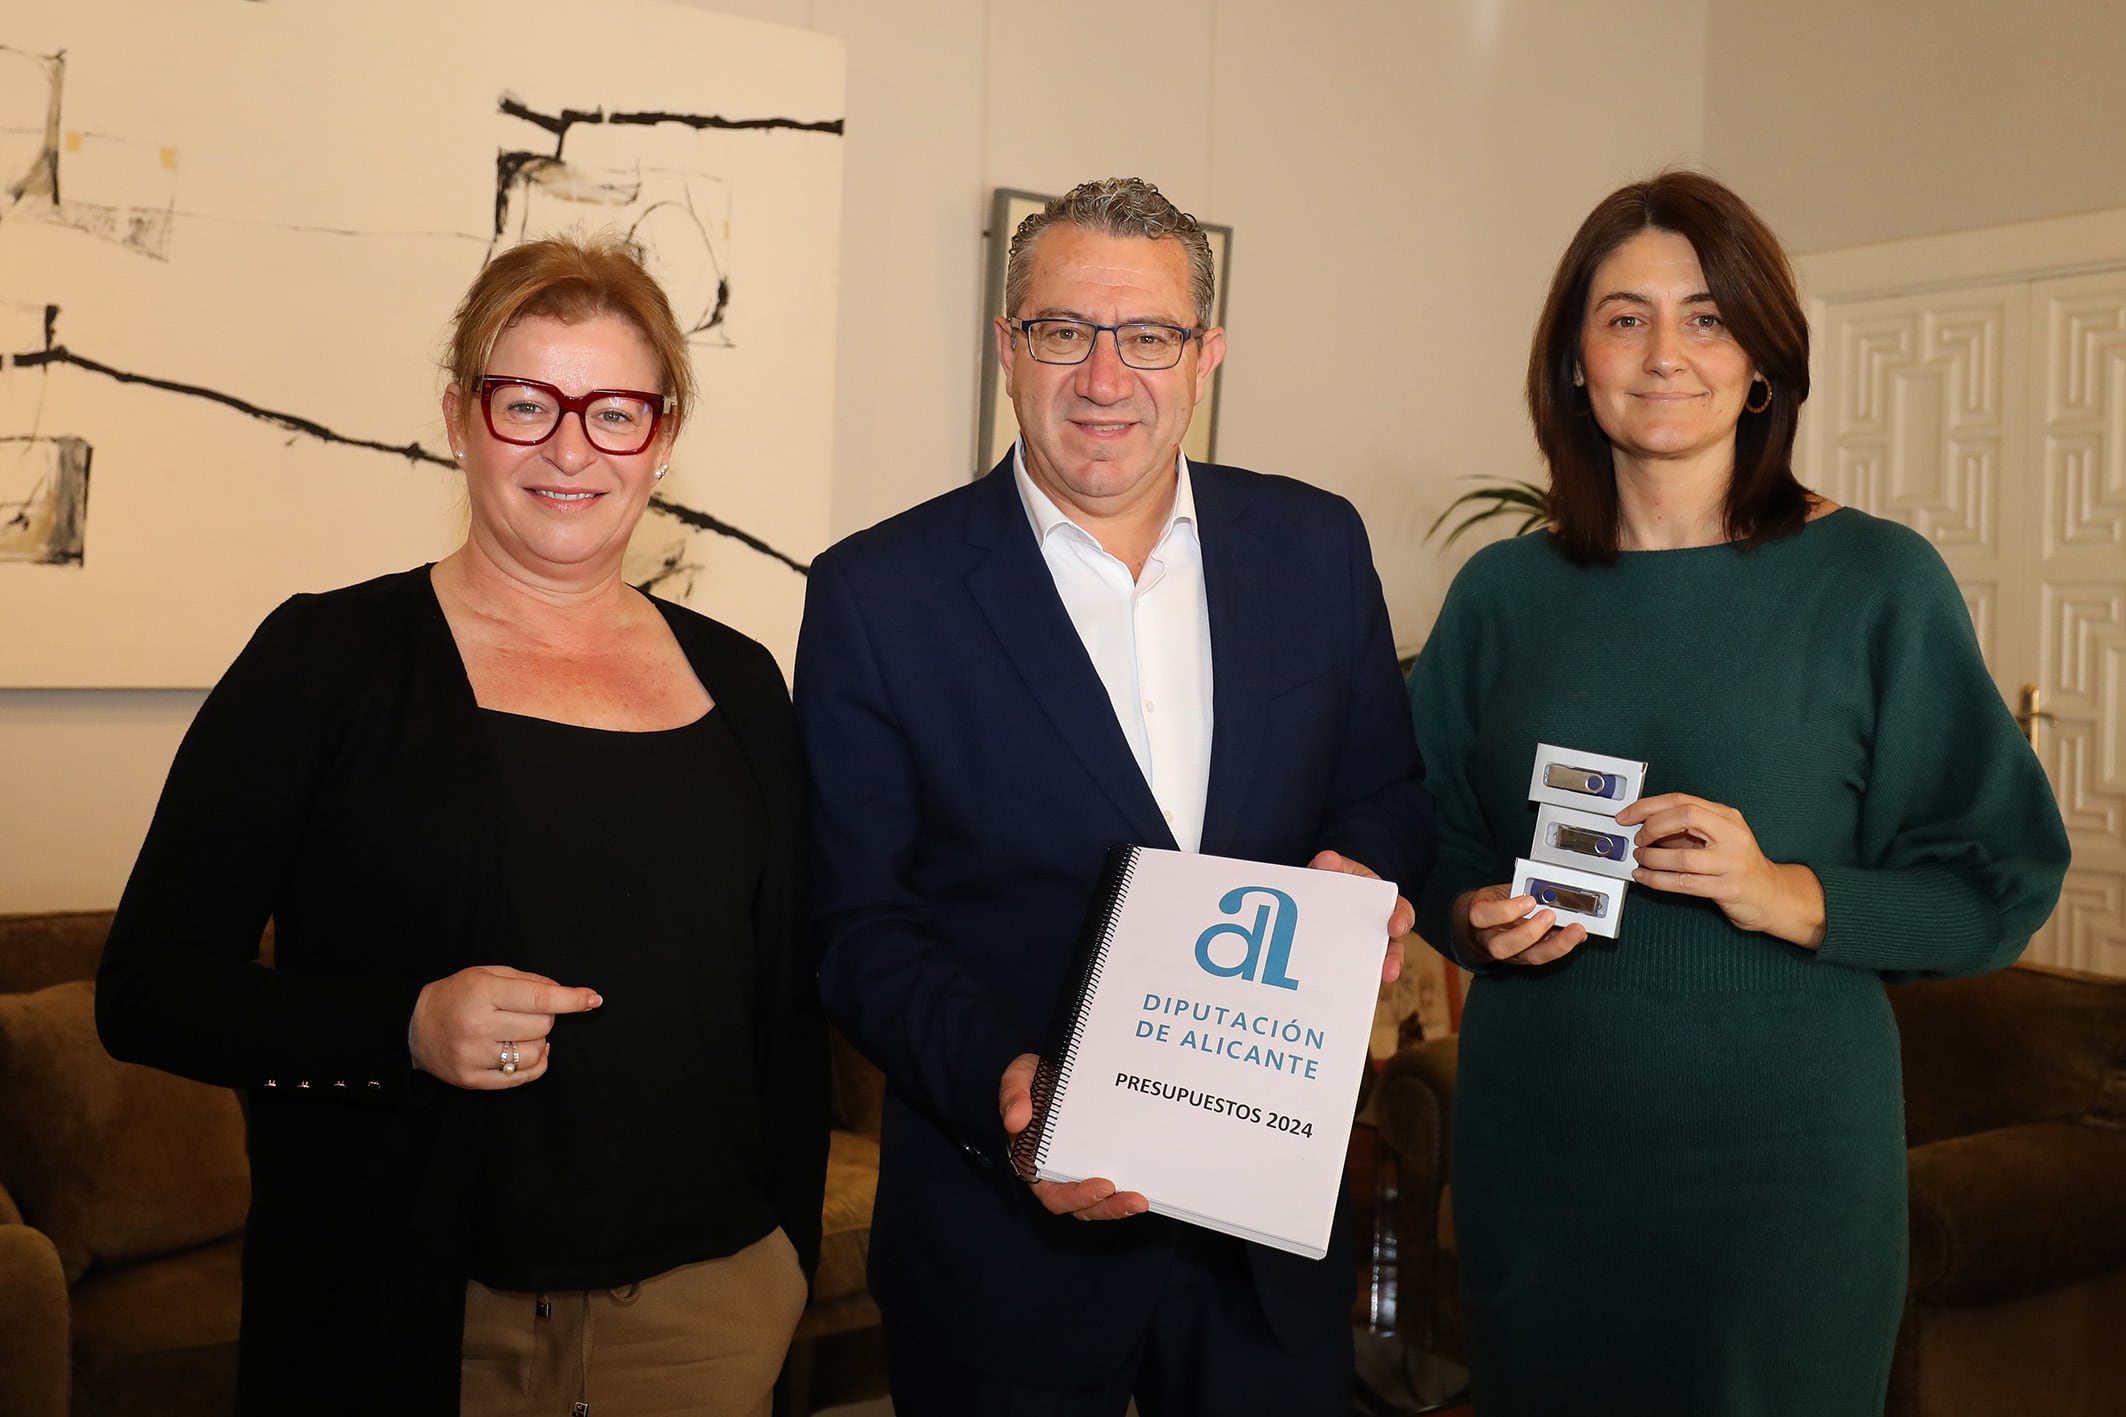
703, 1340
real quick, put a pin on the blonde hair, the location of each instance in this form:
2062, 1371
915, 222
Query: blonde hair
569, 278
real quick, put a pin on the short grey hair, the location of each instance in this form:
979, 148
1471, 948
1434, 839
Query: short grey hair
1117, 206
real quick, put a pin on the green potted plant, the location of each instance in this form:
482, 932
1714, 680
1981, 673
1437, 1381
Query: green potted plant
1526, 500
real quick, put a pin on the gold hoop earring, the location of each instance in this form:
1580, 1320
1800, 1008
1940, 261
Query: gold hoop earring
1760, 407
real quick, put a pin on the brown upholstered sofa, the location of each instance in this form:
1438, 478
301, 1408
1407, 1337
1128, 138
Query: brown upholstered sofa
123, 1192
2015, 1106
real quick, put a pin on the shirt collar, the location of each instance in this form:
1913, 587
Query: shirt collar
1045, 516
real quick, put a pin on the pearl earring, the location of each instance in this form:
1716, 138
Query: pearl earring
458, 453
661, 472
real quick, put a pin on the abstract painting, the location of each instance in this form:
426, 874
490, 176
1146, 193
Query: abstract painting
231, 236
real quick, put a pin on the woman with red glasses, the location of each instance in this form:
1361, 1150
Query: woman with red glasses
536, 1080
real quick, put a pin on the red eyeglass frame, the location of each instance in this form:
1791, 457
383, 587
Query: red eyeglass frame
580, 406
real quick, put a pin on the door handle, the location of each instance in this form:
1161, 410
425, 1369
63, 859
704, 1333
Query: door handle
2032, 715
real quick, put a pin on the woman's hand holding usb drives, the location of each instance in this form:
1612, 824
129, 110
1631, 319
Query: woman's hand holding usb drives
1493, 924
1694, 847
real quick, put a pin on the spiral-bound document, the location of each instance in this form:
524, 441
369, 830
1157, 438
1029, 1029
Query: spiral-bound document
1211, 1045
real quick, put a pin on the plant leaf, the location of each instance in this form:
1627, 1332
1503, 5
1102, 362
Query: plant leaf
1496, 500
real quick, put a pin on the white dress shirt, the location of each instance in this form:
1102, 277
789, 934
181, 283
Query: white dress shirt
1149, 640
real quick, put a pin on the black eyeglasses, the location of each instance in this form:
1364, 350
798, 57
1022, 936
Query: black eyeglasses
1071, 342
526, 412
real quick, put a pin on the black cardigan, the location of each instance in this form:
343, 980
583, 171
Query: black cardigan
336, 781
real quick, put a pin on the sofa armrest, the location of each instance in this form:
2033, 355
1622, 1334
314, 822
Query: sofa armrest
2027, 1044
2016, 1211
34, 1365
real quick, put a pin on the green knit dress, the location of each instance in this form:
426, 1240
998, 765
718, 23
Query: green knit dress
1678, 1157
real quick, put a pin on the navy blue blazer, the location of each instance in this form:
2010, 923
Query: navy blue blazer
968, 775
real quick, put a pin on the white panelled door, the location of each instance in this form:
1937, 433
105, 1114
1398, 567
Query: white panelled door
2078, 404
1990, 414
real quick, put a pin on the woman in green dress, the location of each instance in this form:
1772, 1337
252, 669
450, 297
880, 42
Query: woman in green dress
1678, 1155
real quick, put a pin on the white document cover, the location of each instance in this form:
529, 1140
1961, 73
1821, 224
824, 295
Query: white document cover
1214, 1041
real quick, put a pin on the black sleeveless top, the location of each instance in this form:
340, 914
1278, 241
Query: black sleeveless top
632, 860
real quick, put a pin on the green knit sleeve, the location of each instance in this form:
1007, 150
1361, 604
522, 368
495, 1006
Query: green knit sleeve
1445, 689
1961, 850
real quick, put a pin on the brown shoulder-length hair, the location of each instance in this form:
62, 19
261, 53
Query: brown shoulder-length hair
1748, 275
570, 278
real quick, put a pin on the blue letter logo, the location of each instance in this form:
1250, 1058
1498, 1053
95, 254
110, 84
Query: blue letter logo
1277, 918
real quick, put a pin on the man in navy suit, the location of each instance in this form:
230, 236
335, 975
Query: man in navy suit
1098, 642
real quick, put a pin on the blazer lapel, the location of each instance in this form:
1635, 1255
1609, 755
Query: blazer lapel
1243, 609
1011, 586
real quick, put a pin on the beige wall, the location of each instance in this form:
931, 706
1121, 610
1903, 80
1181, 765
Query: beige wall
1408, 171
79, 774
1848, 123
1405, 172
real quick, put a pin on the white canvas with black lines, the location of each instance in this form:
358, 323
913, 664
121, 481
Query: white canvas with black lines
231, 235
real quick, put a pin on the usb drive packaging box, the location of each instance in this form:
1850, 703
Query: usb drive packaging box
1577, 896
1585, 841
1585, 782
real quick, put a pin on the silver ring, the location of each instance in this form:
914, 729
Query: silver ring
510, 1058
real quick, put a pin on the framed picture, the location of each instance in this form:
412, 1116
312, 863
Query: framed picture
1007, 208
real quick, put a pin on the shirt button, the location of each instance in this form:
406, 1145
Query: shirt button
1169, 817
1147, 705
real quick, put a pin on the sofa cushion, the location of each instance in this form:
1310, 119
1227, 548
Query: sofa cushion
160, 1337
845, 1245
114, 1162
178, 1303
50, 947
859, 1087
2016, 1211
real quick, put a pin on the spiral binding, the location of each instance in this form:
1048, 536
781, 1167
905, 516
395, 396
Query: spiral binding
1030, 1148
